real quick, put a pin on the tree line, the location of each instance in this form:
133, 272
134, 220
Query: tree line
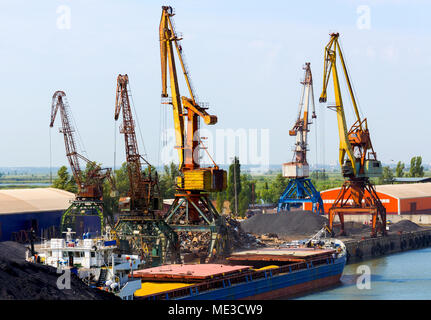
242, 189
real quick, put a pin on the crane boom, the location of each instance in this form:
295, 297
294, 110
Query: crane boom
89, 186
142, 186
59, 101
191, 205
357, 193
301, 127
187, 140
300, 188
355, 142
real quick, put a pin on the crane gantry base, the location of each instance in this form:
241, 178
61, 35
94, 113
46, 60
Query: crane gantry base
82, 208
200, 216
152, 238
358, 196
297, 192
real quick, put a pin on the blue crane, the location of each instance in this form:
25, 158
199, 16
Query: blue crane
300, 189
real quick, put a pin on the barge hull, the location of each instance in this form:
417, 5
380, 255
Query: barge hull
278, 286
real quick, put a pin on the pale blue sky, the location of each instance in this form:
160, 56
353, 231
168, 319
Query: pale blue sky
245, 58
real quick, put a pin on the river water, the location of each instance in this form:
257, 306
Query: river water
401, 276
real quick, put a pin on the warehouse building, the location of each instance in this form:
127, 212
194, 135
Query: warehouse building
40, 208
402, 201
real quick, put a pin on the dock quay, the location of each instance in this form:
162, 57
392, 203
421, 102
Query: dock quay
369, 248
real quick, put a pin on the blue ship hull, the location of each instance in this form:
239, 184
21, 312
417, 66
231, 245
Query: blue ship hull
276, 286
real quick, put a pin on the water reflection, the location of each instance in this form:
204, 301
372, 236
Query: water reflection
400, 276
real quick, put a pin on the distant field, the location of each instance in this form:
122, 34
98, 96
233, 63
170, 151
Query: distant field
17, 181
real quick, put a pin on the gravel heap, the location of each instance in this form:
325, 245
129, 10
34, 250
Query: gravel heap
22, 280
306, 223
285, 223
404, 225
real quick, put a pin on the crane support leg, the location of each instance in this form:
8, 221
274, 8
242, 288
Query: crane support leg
358, 197
152, 238
82, 208
182, 215
297, 192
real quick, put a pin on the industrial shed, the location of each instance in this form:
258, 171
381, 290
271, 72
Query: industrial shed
20, 209
402, 201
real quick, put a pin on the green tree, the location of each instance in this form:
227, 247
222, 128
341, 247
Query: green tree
234, 172
416, 168
122, 183
168, 181
220, 199
65, 181
319, 175
264, 193
110, 201
387, 176
244, 198
399, 170
277, 187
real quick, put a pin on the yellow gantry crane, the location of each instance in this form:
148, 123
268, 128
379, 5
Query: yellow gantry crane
191, 203
357, 157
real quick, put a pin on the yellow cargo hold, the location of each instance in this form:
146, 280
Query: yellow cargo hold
148, 288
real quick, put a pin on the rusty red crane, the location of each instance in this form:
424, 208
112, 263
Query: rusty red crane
139, 227
143, 192
90, 186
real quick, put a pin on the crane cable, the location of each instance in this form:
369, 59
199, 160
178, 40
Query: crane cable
115, 145
50, 157
351, 84
163, 135
81, 144
137, 120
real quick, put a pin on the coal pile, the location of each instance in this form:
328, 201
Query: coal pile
22, 280
404, 225
285, 223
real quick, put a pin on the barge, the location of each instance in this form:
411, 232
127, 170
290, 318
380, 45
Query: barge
273, 273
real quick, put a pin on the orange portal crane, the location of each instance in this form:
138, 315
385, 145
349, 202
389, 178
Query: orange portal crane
90, 187
357, 157
140, 226
191, 201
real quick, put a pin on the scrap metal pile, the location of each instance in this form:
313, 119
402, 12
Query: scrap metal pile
194, 245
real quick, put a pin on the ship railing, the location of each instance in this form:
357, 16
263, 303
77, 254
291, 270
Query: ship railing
243, 277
